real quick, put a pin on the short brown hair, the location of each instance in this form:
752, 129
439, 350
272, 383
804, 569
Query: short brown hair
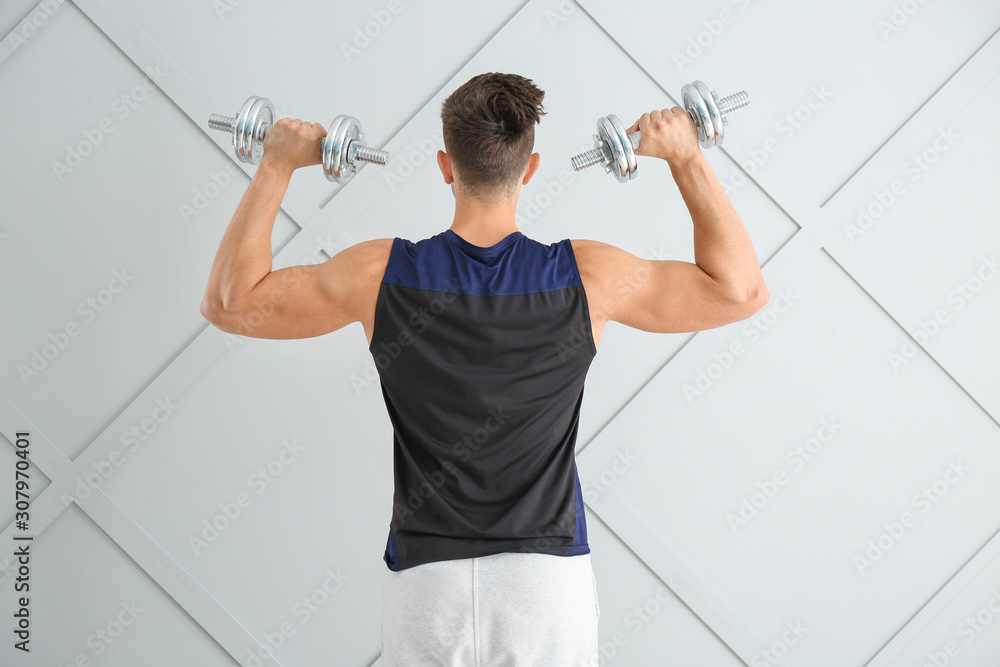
489, 132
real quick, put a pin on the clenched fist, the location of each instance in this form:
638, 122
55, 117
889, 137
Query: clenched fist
293, 143
669, 134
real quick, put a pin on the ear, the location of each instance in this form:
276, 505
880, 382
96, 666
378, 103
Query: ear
534, 160
444, 163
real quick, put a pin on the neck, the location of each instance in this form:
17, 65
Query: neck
484, 224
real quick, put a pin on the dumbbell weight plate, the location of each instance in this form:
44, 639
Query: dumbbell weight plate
623, 164
695, 106
711, 101
631, 162
699, 103
253, 120
339, 148
241, 121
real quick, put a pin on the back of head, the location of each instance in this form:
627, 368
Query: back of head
489, 132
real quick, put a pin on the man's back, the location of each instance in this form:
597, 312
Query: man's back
482, 354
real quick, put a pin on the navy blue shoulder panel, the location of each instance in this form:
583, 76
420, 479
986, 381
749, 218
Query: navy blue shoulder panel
446, 262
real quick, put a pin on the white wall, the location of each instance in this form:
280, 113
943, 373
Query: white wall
814, 486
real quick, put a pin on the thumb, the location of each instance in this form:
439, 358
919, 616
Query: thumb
643, 145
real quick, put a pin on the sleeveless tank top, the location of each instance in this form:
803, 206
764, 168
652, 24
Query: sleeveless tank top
482, 354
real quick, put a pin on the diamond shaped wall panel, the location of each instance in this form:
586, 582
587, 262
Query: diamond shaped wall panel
26, 16
640, 614
269, 473
377, 60
804, 500
829, 83
929, 231
91, 604
960, 632
110, 233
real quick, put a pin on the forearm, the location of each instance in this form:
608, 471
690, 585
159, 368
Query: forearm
722, 246
244, 255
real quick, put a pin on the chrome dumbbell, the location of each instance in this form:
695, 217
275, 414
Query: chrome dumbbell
616, 150
343, 146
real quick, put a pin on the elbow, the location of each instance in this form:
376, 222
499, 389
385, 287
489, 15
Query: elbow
213, 311
223, 311
756, 298
751, 300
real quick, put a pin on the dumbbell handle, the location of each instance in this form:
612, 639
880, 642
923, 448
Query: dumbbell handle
597, 155
228, 124
726, 104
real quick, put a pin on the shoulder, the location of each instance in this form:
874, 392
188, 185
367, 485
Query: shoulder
589, 248
597, 257
373, 257
360, 264
369, 254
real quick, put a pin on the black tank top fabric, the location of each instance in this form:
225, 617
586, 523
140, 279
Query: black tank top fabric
482, 354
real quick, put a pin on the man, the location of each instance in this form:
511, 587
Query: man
483, 338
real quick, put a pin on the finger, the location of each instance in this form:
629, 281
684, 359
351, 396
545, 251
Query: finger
641, 122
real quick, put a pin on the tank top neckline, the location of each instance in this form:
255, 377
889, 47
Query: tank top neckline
457, 240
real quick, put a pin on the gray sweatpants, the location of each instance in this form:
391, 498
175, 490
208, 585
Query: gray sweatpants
502, 610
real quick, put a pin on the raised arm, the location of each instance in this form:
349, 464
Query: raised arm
244, 296
723, 285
